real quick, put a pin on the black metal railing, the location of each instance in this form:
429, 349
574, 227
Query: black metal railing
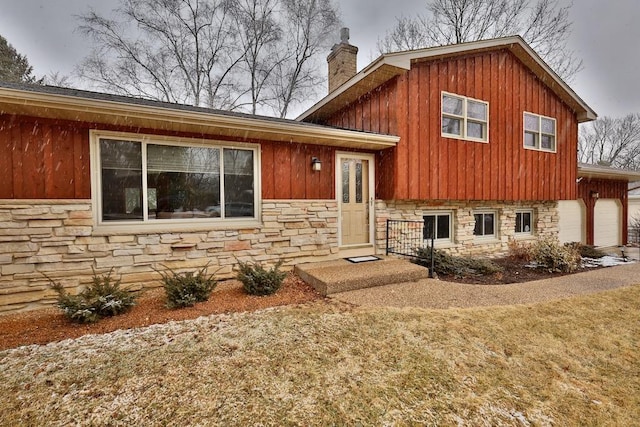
408, 238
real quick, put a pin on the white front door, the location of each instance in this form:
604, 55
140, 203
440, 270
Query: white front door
355, 191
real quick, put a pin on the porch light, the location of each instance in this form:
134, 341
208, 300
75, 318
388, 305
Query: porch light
595, 194
316, 164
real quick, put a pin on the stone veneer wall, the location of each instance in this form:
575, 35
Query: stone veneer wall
545, 222
57, 238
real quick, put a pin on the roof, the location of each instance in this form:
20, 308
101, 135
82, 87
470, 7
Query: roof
390, 65
606, 172
94, 107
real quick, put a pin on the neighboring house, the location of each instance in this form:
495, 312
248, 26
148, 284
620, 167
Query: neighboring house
478, 140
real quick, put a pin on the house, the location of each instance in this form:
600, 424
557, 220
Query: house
488, 139
477, 140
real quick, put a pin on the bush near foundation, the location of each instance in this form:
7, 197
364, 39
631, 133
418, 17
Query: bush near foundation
186, 289
102, 298
548, 253
256, 280
459, 266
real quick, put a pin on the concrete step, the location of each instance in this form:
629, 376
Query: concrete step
331, 277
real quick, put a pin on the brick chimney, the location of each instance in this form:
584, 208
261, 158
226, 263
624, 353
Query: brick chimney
342, 61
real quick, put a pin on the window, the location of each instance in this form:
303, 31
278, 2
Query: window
485, 224
539, 132
437, 225
524, 222
151, 181
465, 118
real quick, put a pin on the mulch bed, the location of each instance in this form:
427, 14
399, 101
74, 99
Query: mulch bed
515, 271
48, 325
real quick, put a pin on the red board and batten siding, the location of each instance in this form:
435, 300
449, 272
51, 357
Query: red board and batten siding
49, 159
606, 189
427, 166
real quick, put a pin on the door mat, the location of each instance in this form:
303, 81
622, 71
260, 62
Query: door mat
358, 259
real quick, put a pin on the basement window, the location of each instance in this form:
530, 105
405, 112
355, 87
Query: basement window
524, 222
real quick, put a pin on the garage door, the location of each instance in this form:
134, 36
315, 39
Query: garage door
607, 223
571, 224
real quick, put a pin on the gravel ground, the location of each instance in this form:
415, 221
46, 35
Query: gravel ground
430, 293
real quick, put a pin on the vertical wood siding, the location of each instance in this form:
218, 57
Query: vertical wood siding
41, 159
48, 159
427, 166
606, 189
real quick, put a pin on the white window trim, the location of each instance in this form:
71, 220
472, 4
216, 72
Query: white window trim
540, 133
463, 118
159, 225
531, 232
441, 242
486, 237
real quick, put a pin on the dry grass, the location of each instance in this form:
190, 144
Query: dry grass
569, 362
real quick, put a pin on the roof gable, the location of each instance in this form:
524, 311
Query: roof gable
388, 66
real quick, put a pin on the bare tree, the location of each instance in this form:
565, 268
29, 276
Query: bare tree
230, 54
169, 50
309, 27
259, 34
611, 141
544, 24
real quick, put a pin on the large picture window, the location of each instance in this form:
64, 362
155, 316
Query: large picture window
465, 118
149, 181
539, 132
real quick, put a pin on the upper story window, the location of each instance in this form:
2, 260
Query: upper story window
142, 179
465, 118
539, 132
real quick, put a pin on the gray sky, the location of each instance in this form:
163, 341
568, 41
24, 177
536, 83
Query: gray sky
606, 35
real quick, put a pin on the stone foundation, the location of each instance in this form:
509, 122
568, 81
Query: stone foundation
57, 238
545, 222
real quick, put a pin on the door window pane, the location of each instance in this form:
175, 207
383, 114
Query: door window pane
345, 181
358, 181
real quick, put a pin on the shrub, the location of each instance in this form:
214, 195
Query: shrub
588, 251
460, 266
519, 250
550, 254
102, 298
256, 280
186, 289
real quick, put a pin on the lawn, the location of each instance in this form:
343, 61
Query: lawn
568, 362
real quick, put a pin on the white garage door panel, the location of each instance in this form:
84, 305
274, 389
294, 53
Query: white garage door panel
571, 225
607, 217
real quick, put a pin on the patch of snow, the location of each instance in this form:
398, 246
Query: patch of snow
605, 261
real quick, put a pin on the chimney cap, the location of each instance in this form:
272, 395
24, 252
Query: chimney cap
344, 35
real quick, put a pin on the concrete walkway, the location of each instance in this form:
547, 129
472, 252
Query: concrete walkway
430, 293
